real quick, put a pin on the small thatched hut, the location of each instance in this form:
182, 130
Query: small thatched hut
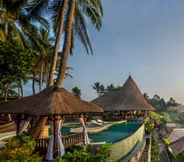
127, 99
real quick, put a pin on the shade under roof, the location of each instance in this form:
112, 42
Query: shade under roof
50, 101
128, 97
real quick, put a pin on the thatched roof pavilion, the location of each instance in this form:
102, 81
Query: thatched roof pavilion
48, 102
53, 103
127, 98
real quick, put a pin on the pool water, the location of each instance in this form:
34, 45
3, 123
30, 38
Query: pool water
112, 134
115, 132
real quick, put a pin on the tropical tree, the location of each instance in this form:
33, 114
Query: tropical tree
42, 63
172, 102
76, 91
15, 64
111, 87
69, 19
17, 23
76, 23
99, 88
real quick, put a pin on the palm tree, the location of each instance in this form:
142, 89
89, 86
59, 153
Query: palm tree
42, 63
99, 88
75, 21
69, 18
18, 24
59, 30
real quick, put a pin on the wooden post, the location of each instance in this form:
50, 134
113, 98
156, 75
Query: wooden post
56, 120
18, 120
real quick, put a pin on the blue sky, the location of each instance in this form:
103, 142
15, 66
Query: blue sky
144, 38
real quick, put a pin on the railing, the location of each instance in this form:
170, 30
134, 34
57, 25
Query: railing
68, 141
73, 139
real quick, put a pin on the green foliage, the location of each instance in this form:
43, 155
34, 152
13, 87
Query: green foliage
20, 148
76, 91
15, 62
178, 158
88, 154
167, 141
159, 103
154, 151
152, 121
174, 114
101, 89
149, 126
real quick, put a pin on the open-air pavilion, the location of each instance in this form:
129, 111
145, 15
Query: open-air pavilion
125, 103
51, 106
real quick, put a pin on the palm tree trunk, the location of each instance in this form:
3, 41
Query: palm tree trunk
41, 77
6, 92
57, 44
33, 84
6, 98
67, 43
21, 90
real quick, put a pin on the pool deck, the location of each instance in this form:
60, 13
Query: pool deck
97, 129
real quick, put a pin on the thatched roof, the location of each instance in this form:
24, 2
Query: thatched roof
50, 101
128, 97
177, 147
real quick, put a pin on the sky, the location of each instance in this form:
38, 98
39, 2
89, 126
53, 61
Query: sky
144, 38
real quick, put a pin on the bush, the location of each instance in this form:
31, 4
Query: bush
88, 154
155, 157
178, 158
149, 125
20, 148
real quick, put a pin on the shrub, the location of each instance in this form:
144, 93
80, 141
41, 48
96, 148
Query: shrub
20, 148
155, 156
86, 154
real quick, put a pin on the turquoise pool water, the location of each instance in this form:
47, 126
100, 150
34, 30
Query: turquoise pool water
112, 134
115, 132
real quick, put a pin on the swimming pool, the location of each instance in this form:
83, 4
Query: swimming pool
112, 134
115, 132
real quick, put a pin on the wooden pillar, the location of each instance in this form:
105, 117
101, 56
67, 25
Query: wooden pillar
18, 121
56, 120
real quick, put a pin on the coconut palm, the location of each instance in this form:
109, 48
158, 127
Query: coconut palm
41, 65
99, 88
17, 23
76, 16
69, 19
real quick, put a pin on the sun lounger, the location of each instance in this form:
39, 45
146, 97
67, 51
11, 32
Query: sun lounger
95, 122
